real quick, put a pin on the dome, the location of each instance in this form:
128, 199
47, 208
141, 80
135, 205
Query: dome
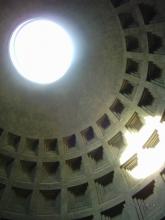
89, 146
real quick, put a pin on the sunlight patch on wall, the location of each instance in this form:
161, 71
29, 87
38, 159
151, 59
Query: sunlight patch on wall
148, 143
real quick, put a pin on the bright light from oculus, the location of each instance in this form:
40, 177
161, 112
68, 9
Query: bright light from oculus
150, 160
41, 50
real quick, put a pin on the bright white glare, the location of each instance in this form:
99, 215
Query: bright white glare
149, 160
41, 50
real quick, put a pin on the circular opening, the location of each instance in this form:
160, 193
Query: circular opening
41, 50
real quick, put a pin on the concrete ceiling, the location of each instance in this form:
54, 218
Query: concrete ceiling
61, 144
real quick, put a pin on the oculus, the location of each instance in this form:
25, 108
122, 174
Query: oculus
41, 50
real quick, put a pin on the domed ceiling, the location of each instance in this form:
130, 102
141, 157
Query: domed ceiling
71, 149
92, 83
